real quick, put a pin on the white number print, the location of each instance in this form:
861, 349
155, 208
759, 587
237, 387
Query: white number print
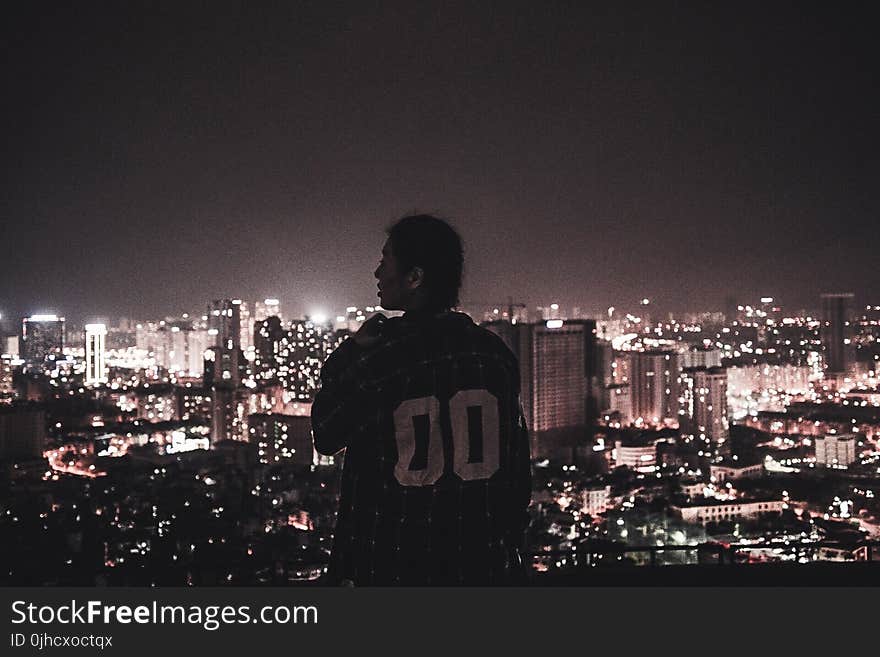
476, 436
418, 420
476, 447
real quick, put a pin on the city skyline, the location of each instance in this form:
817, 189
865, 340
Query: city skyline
158, 158
546, 308
749, 440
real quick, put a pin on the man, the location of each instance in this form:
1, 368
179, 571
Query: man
436, 479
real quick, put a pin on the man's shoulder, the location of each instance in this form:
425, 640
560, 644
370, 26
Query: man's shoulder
453, 328
492, 341
479, 339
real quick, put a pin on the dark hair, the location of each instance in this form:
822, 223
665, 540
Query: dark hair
434, 246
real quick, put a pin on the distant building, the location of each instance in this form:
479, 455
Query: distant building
157, 403
22, 431
267, 308
96, 359
7, 385
247, 328
836, 450
703, 512
184, 349
177, 345
293, 355
731, 471
596, 500
710, 408
147, 338
638, 453
224, 323
193, 403
42, 337
837, 334
619, 402
10, 346
279, 438
603, 374
557, 371
229, 413
313, 343
223, 366
654, 387
701, 357
745, 380
272, 349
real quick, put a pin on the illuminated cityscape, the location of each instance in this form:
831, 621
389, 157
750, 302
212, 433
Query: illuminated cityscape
652, 443
667, 215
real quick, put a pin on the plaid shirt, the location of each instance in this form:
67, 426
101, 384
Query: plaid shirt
437, 478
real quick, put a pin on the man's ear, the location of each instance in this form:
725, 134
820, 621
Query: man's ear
415, 278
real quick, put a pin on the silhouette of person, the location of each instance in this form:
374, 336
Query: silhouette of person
437, 474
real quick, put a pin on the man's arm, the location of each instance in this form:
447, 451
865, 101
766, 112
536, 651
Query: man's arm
345, 398
334, 419
521, 461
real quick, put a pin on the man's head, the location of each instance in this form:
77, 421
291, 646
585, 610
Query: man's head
421, 265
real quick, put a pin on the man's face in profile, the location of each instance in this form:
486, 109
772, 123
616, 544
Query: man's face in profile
390, 281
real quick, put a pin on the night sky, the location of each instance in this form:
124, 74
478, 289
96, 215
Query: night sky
158, 156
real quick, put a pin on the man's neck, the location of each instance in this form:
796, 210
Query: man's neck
424, 313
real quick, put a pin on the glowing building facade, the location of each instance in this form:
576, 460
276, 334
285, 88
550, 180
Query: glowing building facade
837, 334
266, 308
42, 337
556, 360
654, 386
96, 358
224, 323
282, 438
835, 450
710, 408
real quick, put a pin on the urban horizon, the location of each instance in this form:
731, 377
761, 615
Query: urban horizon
480, 311
666, 216
750, 438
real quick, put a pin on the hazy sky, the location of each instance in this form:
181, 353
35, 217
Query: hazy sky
157, 157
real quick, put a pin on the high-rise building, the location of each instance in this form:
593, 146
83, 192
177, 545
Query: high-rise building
224, 362
272, 350
837, 333
7, 386
224, 323
247, 328
698, 356
193, 402
836, 450
556, 360
157, 403
292, 355
603, 374
654, 386
96, 363
147, 338
267, 308
10, 346
224, 366
229, 413
177, 345
619, 402
42, 337
184, 348
282, 438
710, 408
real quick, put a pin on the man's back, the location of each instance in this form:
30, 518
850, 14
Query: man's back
436, 477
